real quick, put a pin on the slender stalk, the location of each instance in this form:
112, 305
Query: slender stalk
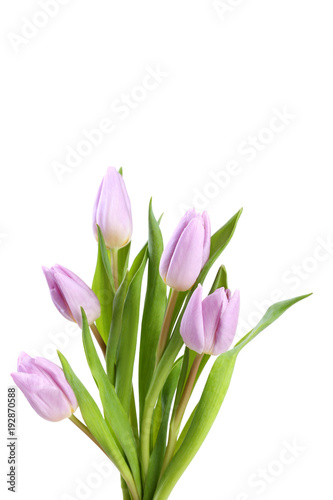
180, 410
126, 494
114, 266
133, 417
85, 429
98, 337
166, 325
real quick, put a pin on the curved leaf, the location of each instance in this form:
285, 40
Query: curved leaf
128, 338
210, 402
157, 457
115, 329
113, 410
103, 287
154, 309
96, 423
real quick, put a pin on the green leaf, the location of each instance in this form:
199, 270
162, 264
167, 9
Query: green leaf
156, 422
134, 418
183, 377
185, 430
95, 421
139, 259
123, 258
221, 280
103, 287
115, 330
113, 410
157, 457
210, 402
128, 338
272, 313
219, 241
154, 309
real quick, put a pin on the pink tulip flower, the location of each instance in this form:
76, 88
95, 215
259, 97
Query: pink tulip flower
69, 293
112, 211
187, 251
209, 325
44, 385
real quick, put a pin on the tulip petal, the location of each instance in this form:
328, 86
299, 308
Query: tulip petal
172, 243
186, 261
48, 401
227, 327
70, 274
113, 210
95, 210
211, 312
207, 238
77, 297
58, 377
56, 294
191, 327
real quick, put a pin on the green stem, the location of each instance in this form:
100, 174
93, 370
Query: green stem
126, 494
166, 325
114, 266
99, 339
180, 410
133, 417
86, 431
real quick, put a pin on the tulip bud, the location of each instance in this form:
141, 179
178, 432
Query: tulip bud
209, 325
44, 385
112, 211
69, 293
187, 251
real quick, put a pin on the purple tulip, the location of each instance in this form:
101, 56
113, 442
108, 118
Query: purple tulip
112, 211
209, 325
44, 385
69, 293
187, 251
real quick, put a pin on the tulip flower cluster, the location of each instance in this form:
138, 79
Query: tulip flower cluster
139, 429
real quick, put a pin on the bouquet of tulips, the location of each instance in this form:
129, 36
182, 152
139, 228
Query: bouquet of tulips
141, 429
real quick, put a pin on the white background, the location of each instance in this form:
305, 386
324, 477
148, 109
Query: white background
225, 76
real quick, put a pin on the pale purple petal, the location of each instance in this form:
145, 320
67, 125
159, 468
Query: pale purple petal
58, 377
227, 326
78, 296
56, 294
57, 268
211, 313
95, 209
191, 326
172, 243
113, 210
207, 238
48, 401
186, 261
25, 363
